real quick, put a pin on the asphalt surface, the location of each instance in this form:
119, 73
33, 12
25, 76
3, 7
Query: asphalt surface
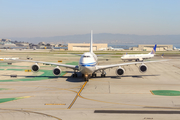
40, 95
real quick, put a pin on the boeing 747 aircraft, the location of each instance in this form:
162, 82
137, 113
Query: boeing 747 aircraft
88, 65
139, 57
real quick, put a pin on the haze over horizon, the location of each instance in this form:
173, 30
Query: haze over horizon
29, 19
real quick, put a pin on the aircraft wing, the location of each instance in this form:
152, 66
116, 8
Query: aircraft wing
76, 54
103, 67
103, 55
74, 67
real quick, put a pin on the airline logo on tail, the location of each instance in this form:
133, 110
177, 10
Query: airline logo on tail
154, 50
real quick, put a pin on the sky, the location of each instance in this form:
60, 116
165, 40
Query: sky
47, 18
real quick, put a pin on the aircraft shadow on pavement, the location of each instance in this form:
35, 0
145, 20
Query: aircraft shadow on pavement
80, 78
133, 76
76, 79
33, 76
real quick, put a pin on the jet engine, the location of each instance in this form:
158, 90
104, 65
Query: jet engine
35, 67
143, 68
57, 71
120, 71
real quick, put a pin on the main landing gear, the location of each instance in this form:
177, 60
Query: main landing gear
94, 75
103, 74
75, 74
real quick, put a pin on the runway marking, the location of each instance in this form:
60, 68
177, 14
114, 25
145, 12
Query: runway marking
128, 104
176, 66
108, 102
68, 89
64, 74
78, 95
145, 108
151, 92
28, 70
116, 103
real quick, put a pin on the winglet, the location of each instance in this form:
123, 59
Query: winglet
154, 50
91, 43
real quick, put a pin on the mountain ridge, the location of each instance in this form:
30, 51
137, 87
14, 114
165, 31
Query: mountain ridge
105, 38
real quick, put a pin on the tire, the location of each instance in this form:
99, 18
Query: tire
86, 79
93, 75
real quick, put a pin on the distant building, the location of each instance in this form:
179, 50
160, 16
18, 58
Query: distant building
56, 45
5, 40
85, 47
7, 46
41, 43
150, 47
33, 46
22, 44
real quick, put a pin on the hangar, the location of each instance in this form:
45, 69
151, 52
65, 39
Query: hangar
150, 47
85, 46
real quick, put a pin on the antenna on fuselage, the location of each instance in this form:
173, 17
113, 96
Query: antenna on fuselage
91, 43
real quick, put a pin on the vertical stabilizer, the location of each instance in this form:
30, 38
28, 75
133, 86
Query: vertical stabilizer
154, 50
91, 43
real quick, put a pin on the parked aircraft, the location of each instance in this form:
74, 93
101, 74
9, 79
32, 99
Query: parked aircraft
118, 49
102, 49
9, 58
167, 49
176, 48
88, 65
139, 57
115, 49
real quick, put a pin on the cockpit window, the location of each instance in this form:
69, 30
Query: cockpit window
86, 56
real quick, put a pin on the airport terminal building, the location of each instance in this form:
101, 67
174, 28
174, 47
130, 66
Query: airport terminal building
85, 46
150, 47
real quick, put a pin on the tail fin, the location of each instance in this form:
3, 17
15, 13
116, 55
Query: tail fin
154, 50
91, 44
162, 55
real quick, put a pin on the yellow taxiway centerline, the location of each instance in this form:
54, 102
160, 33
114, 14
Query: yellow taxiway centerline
78, 94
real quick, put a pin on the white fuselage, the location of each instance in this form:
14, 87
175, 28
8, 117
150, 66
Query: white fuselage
87, 63
137, 56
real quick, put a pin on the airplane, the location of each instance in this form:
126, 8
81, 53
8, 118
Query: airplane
102, 49
139, 57
118, 49
167, 49
115, 49
9, 58
176, 48
88, 65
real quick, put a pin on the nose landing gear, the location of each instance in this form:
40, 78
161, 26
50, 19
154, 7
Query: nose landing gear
86, 77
